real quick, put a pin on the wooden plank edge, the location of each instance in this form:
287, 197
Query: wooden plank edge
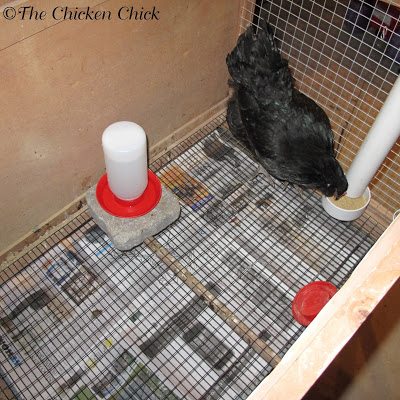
55, 221
339, 320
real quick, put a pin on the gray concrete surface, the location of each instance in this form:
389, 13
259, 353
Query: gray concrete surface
126, 233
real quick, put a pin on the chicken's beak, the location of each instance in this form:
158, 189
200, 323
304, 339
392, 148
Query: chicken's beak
337, 196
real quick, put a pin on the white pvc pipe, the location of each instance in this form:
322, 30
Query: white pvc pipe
125, 154
380, 139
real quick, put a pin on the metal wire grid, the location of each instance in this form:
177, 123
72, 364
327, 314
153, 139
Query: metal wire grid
84, 320
342, 67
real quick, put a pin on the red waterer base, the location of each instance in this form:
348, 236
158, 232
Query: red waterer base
129, 209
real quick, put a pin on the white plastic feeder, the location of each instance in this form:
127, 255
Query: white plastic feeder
343, 214
373, 151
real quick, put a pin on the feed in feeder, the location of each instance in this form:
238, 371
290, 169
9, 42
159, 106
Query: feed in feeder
349, 203
347, 208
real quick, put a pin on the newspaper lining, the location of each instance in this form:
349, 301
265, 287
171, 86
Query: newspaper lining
86, 321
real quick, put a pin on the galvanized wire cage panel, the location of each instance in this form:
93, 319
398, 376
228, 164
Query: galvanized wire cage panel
201, 311
345, 55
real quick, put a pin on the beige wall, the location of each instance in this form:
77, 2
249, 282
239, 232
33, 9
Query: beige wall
63, 83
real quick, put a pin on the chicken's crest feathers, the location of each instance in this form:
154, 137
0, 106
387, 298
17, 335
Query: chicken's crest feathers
256, 64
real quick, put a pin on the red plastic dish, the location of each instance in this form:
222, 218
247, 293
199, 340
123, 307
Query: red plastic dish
129, 209
310, 300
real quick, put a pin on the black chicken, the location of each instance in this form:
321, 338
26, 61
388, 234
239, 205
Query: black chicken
289, 133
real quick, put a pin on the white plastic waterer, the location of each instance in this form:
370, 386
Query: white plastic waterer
125, 154
373, 151
129, 203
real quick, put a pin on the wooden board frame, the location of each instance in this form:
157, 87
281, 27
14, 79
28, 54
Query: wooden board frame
339, 320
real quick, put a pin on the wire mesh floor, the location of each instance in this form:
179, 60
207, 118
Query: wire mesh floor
86, 321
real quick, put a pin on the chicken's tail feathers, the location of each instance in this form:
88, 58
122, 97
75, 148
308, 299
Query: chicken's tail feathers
256, 63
